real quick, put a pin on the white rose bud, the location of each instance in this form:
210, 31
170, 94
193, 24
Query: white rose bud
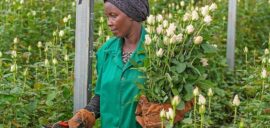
162, 113
202, 100
264, 73
202, 109
160, 52
66, 57
54, 33
266, 51
165, 24
54, 61
175, 100
13, 54
65, 19
25, 72
39, 44
171, 29
1, 54
195, 15
263, 60
236, 101
151, 20
170, 114
214, 45
101, 20
198, 40
69, 17
182, 3
34, 13
173, 39
210, 92
147, 40
166, 40
207, 19
61, 33
46, 63
159, 18
190, 29
13, 67
213, 7
196, 91
15, 40
159, 29
204, 62
187, 17
205, 10
21, 1
245, 49
179, 37
46, 49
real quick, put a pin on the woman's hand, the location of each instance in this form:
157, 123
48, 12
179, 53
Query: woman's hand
82, 117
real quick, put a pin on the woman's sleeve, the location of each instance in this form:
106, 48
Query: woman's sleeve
94, 106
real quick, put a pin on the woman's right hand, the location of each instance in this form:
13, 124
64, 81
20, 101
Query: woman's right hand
83, 118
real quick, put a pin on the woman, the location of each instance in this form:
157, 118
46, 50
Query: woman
116, 85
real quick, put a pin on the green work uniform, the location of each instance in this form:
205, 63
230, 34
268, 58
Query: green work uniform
116, 83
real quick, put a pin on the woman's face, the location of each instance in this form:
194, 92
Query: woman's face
118, 21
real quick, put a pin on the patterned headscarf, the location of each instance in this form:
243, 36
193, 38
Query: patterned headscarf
138, 10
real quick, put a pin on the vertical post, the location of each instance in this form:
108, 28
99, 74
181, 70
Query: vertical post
231, 33
91, 41
81, 54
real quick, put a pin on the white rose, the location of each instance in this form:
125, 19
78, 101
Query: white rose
175, 100
147, 40
266, 51
207, 19
159, 18
159, 53
198, 39
187, 16
189, 29
205, 10
264, 73
204, 62
213, 7
182, 3
236, 101
151, 20
210, 92
196, 91
15, 40
179, 37
195, 15
202, 100
165, 24
61, 33
171, 29
39, 44
159, 29
65, 19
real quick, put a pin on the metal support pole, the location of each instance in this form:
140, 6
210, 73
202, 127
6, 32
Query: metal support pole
81, 83
231, 33
91, 41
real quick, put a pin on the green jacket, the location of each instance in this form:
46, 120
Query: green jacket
116, 84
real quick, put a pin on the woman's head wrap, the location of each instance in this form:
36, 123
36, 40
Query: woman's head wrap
138, 10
